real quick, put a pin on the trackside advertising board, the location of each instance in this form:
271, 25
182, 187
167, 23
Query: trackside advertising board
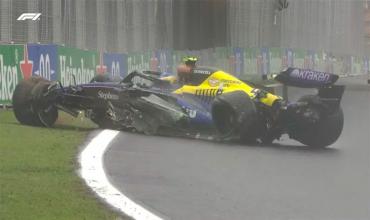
114, 63
11, 57
138, 61
44, 59
55, 62
79, 63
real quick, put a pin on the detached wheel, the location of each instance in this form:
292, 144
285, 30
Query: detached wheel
235, 114
22, 102
323, 133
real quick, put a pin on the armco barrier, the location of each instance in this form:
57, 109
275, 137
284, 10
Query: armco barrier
56, 62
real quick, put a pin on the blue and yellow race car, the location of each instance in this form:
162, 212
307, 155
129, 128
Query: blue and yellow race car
209, 101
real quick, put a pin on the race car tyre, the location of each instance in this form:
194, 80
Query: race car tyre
234, 114
323, 133
46, 112
22, 102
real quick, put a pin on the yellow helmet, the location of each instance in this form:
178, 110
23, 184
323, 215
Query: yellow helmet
189, 60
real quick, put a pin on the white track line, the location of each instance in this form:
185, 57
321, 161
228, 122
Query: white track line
91, 161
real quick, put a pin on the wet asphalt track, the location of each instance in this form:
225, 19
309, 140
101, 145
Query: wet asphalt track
194, 179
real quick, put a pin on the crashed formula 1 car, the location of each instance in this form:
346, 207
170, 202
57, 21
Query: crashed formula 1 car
211, 101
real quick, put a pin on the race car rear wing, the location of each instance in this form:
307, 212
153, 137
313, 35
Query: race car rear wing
306, 78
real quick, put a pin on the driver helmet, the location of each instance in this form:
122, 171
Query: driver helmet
185, 69
190, 61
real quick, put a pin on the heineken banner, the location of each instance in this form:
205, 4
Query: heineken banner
11, 59
138, 61
43, 59
78, 63
115, 64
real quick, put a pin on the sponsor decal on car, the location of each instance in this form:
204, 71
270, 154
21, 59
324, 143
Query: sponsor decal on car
222, 82
226, 81
310, 75
199, 71
213, 82
107, 95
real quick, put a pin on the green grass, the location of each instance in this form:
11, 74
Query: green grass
37, 172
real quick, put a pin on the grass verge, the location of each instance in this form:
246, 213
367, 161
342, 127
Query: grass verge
37, 172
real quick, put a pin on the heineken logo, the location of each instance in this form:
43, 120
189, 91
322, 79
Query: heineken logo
138, 63
8, 79
79, 71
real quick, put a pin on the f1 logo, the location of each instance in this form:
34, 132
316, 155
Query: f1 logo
29, 16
